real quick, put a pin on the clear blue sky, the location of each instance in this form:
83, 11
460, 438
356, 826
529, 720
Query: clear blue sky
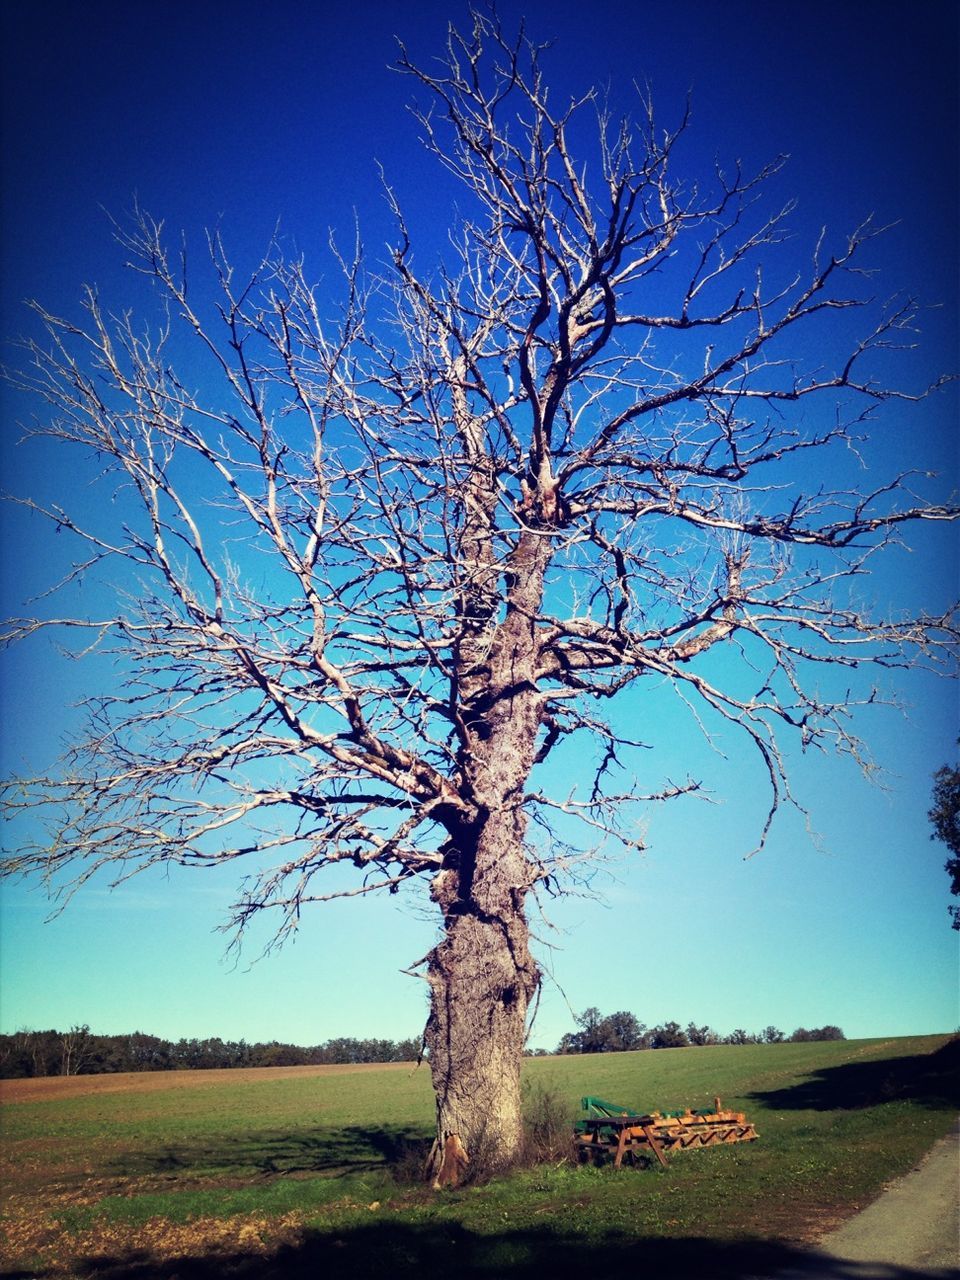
244, 113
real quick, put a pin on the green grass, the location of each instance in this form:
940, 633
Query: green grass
314, 1162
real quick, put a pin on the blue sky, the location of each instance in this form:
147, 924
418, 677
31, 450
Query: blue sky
245, 115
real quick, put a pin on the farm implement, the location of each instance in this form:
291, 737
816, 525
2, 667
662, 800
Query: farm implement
610, 1129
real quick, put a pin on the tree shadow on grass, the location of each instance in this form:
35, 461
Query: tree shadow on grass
353, 1149
931, 1080
393, 1249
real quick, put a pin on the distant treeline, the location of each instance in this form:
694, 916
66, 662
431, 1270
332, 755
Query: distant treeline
621, 1032
80, 1052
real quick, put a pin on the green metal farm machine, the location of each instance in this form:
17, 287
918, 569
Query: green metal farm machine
610, 1129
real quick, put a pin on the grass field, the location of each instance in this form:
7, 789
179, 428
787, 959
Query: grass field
311, 1171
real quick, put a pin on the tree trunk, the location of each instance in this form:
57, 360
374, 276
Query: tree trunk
481, 975
482, 978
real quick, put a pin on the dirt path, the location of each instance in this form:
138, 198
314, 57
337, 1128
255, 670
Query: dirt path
911, 1233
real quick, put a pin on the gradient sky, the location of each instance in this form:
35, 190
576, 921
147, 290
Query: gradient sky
242, 114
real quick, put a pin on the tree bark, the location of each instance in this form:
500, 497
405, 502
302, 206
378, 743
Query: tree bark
482, 978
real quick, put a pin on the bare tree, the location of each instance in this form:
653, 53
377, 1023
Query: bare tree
381, 566
77, 1047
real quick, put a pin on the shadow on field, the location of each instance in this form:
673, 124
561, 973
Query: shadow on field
424, 1251
931, 1079
345, 1150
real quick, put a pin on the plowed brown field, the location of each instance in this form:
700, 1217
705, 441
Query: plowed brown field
52, 1088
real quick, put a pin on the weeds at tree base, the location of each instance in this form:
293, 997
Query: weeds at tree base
547, 1125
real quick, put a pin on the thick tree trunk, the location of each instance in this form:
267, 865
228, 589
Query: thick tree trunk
482, 978
481, 974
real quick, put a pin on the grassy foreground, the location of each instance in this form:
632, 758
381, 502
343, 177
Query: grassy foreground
192, 1176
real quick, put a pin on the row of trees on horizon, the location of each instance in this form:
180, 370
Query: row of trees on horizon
81, 1052
622, 1032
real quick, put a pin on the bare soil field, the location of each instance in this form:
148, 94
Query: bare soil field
53, 1088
